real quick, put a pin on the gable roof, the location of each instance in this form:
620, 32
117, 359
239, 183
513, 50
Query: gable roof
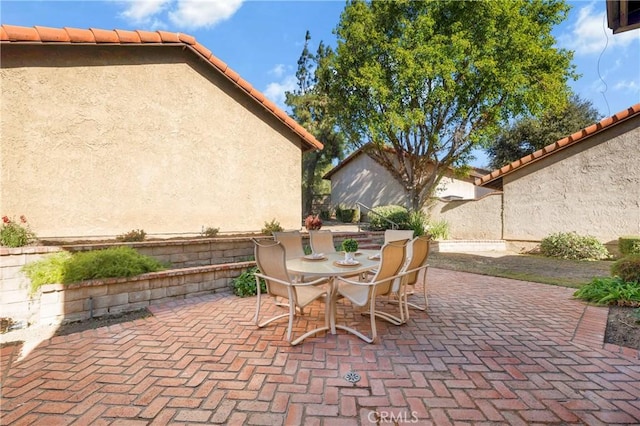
474, 173
94, 36
495, 176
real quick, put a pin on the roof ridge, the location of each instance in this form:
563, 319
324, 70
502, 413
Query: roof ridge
68, 35
572, 139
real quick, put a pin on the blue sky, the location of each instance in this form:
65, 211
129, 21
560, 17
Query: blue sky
262, 40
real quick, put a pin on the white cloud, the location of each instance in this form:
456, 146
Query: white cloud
275, 90
142, 11
278, 70
590, 35
203, 13
187, 14
628, 86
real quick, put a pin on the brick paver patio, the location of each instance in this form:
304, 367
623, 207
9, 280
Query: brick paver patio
489, 351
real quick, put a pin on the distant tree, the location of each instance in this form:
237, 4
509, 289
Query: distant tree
530, 134
432, 80
309, 107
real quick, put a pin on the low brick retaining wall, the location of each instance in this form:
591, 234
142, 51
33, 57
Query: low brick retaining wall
200, 266
67, 303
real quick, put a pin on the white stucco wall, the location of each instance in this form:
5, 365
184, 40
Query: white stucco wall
479, 219
363, 179
592, 188
100, 140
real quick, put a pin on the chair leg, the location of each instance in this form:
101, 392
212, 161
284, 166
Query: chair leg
424, 293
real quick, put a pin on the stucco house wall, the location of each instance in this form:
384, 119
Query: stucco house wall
592, 188
98, 140
359, 178
363, 180
479, 219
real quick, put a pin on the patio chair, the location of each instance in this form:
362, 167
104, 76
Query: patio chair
271, 262
292, 242
364, 293
322, 242
397, 234
414, 270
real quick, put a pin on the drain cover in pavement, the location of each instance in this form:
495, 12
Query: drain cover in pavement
352, 377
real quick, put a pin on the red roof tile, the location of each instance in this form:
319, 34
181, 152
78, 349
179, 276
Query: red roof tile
16, 34
553, 148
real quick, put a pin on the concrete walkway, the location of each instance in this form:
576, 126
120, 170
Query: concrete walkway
489, 351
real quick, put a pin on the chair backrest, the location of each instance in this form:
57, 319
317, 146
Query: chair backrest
397, 235
322, 242
270, 259
392, 258
419, 257
292, 242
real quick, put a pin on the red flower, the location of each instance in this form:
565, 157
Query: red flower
23, 219
5, 219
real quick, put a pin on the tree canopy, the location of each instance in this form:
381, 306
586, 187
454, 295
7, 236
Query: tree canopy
433, 80
530, 134
309, 107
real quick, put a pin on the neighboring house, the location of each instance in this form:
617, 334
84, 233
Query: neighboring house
359, 178
103, 132
588, 182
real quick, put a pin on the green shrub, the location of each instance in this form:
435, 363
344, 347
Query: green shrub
114, 262
569, 245
629, 245
49, 270
610, 291
418, 222
134, 235
393, 213
346, 215
244, 285
14, 234
439, 230
627, 268
325, 214
210, 232
271, 227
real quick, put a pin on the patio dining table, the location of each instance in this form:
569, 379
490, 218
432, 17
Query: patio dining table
332, 265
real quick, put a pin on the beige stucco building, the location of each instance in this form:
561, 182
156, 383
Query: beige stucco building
359, 178
103, 132
588, 183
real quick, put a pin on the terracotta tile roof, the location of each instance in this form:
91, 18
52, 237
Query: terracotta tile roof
555, 147
45, 35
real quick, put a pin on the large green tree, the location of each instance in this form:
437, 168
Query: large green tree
530, 134
435, 79
309, 107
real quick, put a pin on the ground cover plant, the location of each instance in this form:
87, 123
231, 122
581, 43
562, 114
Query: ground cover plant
244, 285
113, 262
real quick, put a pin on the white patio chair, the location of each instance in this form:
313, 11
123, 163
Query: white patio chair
364, 293
271, 261
292, 242
415, 270
322, 242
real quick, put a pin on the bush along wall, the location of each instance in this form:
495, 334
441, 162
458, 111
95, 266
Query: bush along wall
629, 245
